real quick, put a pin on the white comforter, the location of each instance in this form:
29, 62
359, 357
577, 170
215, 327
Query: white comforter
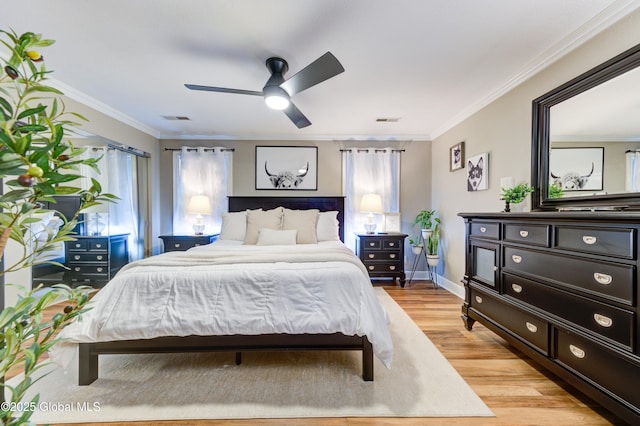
227, 288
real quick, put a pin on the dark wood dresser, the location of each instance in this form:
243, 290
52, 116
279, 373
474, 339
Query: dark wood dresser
94, 260
185, 242
382, 255
563, 288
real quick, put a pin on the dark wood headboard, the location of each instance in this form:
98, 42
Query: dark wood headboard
324, 204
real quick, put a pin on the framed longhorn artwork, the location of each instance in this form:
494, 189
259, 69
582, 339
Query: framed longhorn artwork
577, 169
287, 168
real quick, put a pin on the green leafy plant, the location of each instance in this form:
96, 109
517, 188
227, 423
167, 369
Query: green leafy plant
415, 241
36, 163
433, 242
517, 193
425, 219
555, 190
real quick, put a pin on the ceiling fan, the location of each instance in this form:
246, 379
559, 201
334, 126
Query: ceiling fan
277, 91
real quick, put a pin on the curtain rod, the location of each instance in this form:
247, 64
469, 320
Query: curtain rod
195, 149
374, 150
127, 149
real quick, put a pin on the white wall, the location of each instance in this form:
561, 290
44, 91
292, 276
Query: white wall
503, 129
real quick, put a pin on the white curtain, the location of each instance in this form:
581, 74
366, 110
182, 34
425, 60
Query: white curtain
366, 171
201, 171
632, 181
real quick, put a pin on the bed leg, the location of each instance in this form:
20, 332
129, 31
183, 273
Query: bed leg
238, 358
367, 361
88, 364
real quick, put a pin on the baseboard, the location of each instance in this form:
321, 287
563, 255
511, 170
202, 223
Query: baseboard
444, 283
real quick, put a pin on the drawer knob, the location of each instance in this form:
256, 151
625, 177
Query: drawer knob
483, 229
576, 351
524, 234
76, 257
392, 256
372, 244
603, 320
78, 245
602, 278
517, 288
371, 267
98, 245
99, 257
478, 299
176, 245
588, 239
392, 268
495, 268
531, 327
392, 244
77, 269
371, 256
516, 258
99, 269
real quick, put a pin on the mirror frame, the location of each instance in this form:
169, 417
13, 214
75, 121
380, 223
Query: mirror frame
540, 144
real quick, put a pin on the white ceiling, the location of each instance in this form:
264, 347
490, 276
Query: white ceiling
430, 63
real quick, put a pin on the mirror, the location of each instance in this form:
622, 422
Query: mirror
586, 139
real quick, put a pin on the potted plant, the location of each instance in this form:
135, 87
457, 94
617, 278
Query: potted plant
433, 243
555, 190
416, 244
35, 164
425, 220
515, 194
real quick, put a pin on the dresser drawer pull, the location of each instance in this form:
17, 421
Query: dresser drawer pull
392, 256
176, 245
99, 269
371, 267
372, 256
516, 258
99, 257
372, 244
531, 327
603, 320
524, 234
76, 257
392, 268
588, 239
602, 278
392, 244
98, 245
78, 245
483, 229
576, 351
77, 269
517, 288
495, 268
478, 299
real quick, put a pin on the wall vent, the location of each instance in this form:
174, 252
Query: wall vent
176, 117
388, 119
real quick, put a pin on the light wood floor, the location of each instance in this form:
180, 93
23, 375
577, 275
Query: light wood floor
511, 385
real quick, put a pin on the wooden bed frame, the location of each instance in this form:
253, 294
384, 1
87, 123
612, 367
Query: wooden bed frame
89, 352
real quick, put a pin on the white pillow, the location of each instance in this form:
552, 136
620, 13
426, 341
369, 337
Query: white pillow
304, 221
258, 219
276, 237
234, 226
328, 228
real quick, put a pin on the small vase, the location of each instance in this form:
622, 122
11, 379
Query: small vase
433, 259
426, 233
416, 250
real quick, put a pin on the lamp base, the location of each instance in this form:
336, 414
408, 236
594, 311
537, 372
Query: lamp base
370, 227
198, 228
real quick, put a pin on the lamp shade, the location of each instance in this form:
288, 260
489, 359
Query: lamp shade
199, 204
371, 203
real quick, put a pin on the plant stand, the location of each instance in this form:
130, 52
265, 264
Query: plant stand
430, 269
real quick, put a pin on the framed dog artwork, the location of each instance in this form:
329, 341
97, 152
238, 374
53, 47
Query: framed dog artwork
478, 172
456, 157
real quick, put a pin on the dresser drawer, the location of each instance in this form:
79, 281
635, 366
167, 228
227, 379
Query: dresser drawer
92, 269
613, 281
605, 241
601, 367
527, 233
385, 267
485, 230
612, 323
528, 327
391, 244
381, 255
88, 257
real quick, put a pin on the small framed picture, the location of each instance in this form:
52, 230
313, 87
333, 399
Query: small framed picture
456, 156
392, 222
478, 172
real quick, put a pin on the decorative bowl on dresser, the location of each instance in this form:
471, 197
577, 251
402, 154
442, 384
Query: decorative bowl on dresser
563, 288
382, 254
185, 242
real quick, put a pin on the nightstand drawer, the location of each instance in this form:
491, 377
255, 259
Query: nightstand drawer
88, 257
391, 244
89, 269
185, 242
380, 255
372, 244
383, 266
78, 245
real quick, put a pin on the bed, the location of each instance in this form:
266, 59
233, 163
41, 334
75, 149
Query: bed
365, 330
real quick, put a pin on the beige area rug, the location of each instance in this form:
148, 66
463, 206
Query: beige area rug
420, 383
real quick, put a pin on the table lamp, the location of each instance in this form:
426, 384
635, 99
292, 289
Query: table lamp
199, 205
371, 203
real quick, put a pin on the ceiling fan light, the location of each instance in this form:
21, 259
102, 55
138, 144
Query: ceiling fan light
278, 102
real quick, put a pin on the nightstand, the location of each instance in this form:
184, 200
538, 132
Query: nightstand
382, 254
185, 242
95, 259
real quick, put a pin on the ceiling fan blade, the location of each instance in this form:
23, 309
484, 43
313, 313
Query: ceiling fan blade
296, 116
323, 68
222, 90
